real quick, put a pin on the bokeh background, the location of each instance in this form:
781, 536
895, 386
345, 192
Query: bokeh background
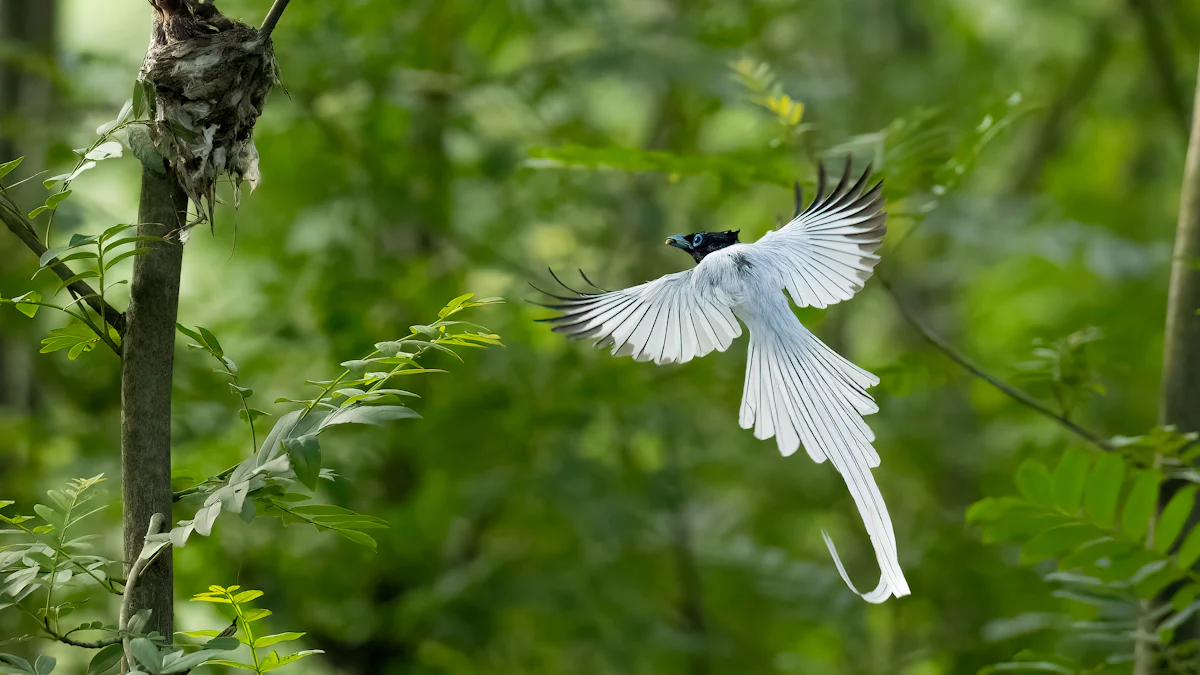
561, 511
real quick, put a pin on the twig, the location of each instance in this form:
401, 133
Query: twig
273, 15
156, 523
20, 226
176, 496
970, 366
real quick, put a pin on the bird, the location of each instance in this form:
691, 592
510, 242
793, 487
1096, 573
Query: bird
797, 390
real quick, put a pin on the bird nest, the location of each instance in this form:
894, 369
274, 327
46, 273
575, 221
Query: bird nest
210, 77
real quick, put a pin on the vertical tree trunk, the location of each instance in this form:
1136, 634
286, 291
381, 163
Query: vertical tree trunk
25, 95
148, 355
1180, 404
1181, 347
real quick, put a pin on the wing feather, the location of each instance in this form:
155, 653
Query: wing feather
666, 320
827, 252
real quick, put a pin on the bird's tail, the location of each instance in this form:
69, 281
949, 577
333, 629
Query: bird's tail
802, 392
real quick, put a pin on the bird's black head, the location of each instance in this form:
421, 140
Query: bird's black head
700, 244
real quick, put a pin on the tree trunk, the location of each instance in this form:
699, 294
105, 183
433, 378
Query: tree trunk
1180, 404
26, 95
148, 354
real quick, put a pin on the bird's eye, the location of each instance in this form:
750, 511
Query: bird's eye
697, 239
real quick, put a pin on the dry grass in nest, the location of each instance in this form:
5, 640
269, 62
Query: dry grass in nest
210, 76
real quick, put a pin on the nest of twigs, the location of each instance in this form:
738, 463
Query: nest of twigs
210, 76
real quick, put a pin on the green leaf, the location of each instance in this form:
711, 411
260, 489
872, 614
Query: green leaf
1173, 517
251, 615
1103, 489
190, 333
290, 658
247, 596
1058, 540
38, 211
232, 664
1086, 556
17, 662
1069, 479
376, 414
139, 99
49, 515
1034, 482
1140, 504
126, 241
7, 167
305, 452
57, 198
454, 305
359, 538
1189, 551
25, 304
114, 231
90, 274
211, 341
44, 665
1153, 584
105, 659
126, 254
106, 150
268, 640
223, 644
255, 413
76, 337
146, 654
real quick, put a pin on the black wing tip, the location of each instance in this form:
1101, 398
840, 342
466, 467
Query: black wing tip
589, 282
839, 191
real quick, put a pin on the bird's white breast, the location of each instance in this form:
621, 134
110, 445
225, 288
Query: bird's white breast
718, 276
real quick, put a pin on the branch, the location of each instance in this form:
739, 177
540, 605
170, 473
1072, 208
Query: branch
273, 15
970, 366
156, 523
20, 226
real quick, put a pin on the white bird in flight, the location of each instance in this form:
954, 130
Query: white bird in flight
797, 389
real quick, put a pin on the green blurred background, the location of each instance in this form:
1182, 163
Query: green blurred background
558, 510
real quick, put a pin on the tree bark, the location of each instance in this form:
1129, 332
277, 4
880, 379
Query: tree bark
148, 355
1180, 403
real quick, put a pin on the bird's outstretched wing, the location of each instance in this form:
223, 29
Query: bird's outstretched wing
666, 320
827, 251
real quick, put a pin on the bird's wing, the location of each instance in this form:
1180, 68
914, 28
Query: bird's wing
827, 251
666, 320
802, 392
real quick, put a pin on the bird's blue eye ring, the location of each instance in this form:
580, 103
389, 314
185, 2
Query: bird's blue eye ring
697, 239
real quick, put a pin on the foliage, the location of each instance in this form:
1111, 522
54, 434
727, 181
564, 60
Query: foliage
1098, 518
244, 615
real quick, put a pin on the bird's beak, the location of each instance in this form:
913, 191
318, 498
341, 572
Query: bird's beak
678, 241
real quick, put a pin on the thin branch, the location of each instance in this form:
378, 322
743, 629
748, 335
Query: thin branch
44, 624
273, 15
176, 496
975, 369
156, 524
20, 226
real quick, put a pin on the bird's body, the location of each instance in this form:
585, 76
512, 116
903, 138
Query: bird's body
797, 389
